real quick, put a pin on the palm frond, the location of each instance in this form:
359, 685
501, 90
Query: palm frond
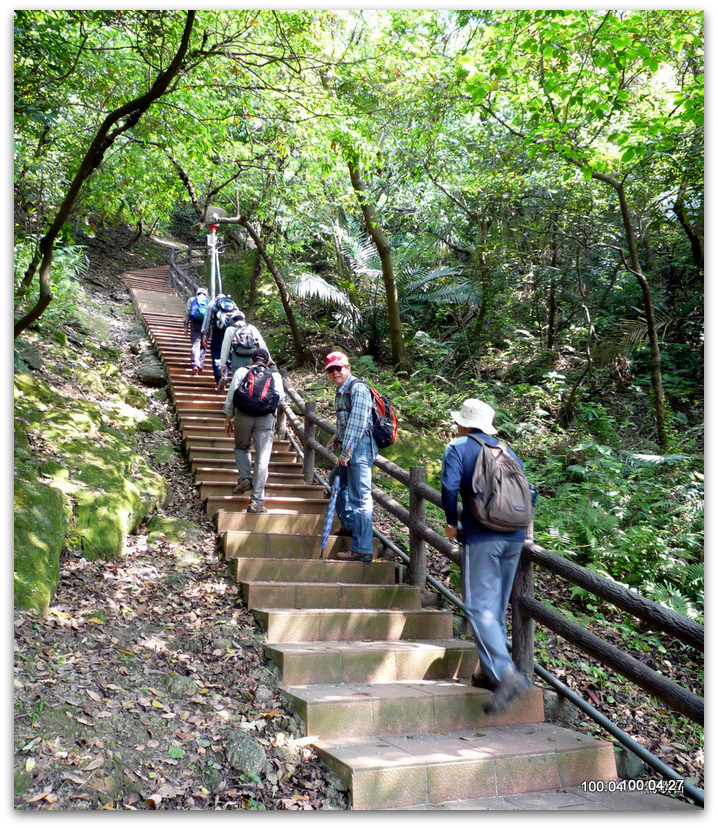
310, 287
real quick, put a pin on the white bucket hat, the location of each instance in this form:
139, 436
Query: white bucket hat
475, 414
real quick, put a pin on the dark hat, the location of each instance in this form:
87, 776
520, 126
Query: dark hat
260, 355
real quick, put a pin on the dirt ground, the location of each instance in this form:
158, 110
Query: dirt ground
147, 677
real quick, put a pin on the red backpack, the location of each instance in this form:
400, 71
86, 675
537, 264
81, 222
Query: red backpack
385, 423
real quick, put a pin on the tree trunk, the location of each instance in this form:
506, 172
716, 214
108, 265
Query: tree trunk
375, 230
114, 125
303, 356
694, 237
659, 400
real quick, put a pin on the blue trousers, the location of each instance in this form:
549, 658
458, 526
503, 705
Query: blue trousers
355, 505
488, 574
215, 349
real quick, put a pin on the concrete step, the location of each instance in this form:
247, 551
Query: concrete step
279, 523
213, 453
314, 571
354, 709
354, 624
568, 798
276, 505
273, 545
405, 770
229, 474
305, 595
372, 661
274, 488
201, 435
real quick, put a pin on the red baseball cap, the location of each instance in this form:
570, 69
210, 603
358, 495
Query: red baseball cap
336, 358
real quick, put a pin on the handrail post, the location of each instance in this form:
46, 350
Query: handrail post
309, 436
522, 625
417, 517
281, 424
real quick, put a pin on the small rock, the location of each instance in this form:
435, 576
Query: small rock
180, 686
244, 753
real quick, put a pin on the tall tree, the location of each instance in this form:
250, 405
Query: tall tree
596, 90
115, 124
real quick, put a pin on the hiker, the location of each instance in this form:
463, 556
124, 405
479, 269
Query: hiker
194, 313
355, 505
216, 320
489, 560
258, 427
240, 341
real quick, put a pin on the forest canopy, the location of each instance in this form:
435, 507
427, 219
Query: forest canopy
509, 198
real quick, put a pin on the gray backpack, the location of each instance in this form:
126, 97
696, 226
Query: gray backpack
500, 494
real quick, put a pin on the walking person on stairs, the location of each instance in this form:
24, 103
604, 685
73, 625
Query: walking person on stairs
194, 313
216, 320
489, 560
355, 505
241, 339
249, 408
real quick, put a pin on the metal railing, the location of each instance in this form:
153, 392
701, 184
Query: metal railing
526, 608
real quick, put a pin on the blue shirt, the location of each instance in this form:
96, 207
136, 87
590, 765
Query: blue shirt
456, 472
352, 425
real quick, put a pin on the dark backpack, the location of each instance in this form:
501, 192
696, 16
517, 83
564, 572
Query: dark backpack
256, 395
198, 308
244, 341
500, 493
385, 423
224, 309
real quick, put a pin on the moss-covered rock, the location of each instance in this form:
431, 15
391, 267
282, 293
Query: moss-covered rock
95, 466
172, 529
42, 517
412, 449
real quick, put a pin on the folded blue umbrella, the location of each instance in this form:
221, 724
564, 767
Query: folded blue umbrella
329, 517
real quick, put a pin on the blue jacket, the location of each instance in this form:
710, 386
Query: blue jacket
456, 473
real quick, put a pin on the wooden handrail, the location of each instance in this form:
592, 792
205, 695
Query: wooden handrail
525, 607
183, 262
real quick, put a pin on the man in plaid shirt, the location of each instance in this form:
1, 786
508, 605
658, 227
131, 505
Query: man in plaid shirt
355, 505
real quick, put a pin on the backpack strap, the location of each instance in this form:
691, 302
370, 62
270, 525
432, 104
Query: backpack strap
480, 440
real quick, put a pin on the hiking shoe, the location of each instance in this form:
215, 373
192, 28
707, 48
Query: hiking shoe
484, 682
365, 557
243, 486
343, 533
511, 687
256, 509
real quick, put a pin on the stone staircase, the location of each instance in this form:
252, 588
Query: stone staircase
380, 683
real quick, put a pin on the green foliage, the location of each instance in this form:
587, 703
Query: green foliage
507, 248
631, 517
69, 264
